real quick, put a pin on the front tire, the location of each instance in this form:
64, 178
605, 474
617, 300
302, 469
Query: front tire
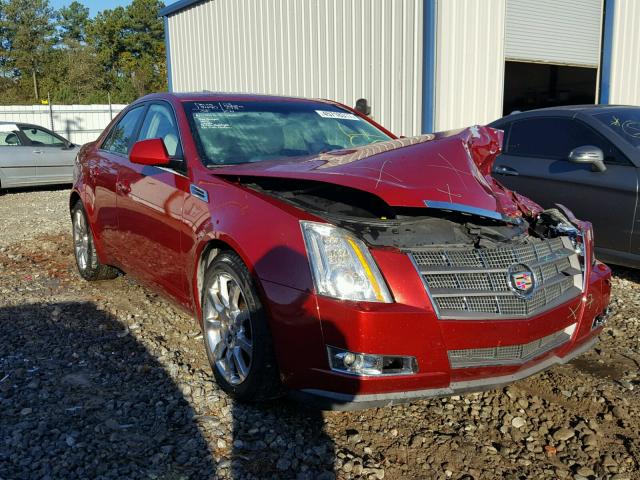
236, 332
84, 249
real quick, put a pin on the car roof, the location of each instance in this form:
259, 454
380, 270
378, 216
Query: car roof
207, 96
567, 110
583, 107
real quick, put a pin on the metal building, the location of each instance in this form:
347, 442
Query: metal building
423, 65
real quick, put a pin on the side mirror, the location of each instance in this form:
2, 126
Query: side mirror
588, 154
149, 152
363, 107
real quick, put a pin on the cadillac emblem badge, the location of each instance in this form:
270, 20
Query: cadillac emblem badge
521, 280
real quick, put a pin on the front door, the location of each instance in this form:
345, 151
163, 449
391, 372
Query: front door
535, 164
150, 203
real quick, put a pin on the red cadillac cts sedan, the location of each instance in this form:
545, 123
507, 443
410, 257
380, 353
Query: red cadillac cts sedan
324, 256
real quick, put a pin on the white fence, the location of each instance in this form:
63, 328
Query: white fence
78, 123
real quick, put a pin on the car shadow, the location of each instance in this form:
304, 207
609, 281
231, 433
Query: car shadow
283, 438
80, 397
280, 439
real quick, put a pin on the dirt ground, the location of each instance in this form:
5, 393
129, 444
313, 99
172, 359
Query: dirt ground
107, 380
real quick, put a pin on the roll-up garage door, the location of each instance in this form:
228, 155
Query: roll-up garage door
554, 31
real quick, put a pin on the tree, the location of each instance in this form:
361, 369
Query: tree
28, 36
5, 44
146, 46
130, 45
106, 33
83, 81
79, 59
73, 21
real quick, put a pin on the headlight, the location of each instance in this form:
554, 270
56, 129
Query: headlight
342, 265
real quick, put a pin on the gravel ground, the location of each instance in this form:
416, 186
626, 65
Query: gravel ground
107, 380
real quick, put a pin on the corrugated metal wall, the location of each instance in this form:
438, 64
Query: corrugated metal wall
337, 49
624, 77
469, 62
564, 32
77, 123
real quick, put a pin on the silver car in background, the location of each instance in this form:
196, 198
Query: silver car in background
31, 155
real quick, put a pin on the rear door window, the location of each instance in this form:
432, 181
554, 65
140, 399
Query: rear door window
121, 138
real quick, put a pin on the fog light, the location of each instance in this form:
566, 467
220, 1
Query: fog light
601, 319
365, 364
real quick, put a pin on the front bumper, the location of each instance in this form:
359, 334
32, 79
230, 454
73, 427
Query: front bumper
327, 400
303, 325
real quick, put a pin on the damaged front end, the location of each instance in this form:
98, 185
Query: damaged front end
425, 243
458, 252
512, 260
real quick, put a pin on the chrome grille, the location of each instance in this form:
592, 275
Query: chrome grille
472, 283
511, 354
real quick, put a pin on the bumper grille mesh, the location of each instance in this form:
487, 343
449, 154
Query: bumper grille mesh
473, 283
512, 354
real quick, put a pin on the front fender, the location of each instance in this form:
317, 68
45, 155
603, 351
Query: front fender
266, 234
263, 231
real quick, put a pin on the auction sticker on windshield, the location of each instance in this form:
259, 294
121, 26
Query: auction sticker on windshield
210, 120
337, 115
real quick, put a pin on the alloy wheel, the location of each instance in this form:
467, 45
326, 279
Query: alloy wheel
227, 328
81, 239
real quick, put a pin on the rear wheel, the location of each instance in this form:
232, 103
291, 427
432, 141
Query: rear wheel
84, 249
236, 333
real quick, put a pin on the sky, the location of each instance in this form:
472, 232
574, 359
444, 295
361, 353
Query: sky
94, 5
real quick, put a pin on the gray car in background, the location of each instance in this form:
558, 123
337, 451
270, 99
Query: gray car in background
586, 158
31, 155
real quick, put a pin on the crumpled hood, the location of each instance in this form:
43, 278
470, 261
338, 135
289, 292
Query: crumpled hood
450, 170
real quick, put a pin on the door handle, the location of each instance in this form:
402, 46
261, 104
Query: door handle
38, 151
504, 170
122, 188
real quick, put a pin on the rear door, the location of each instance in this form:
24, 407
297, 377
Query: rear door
150, 202
17, 163
54, 159
535, 164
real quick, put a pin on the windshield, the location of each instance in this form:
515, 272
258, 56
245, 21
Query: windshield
243, 132
625, 122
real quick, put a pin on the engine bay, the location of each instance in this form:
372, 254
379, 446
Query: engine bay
379, 224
